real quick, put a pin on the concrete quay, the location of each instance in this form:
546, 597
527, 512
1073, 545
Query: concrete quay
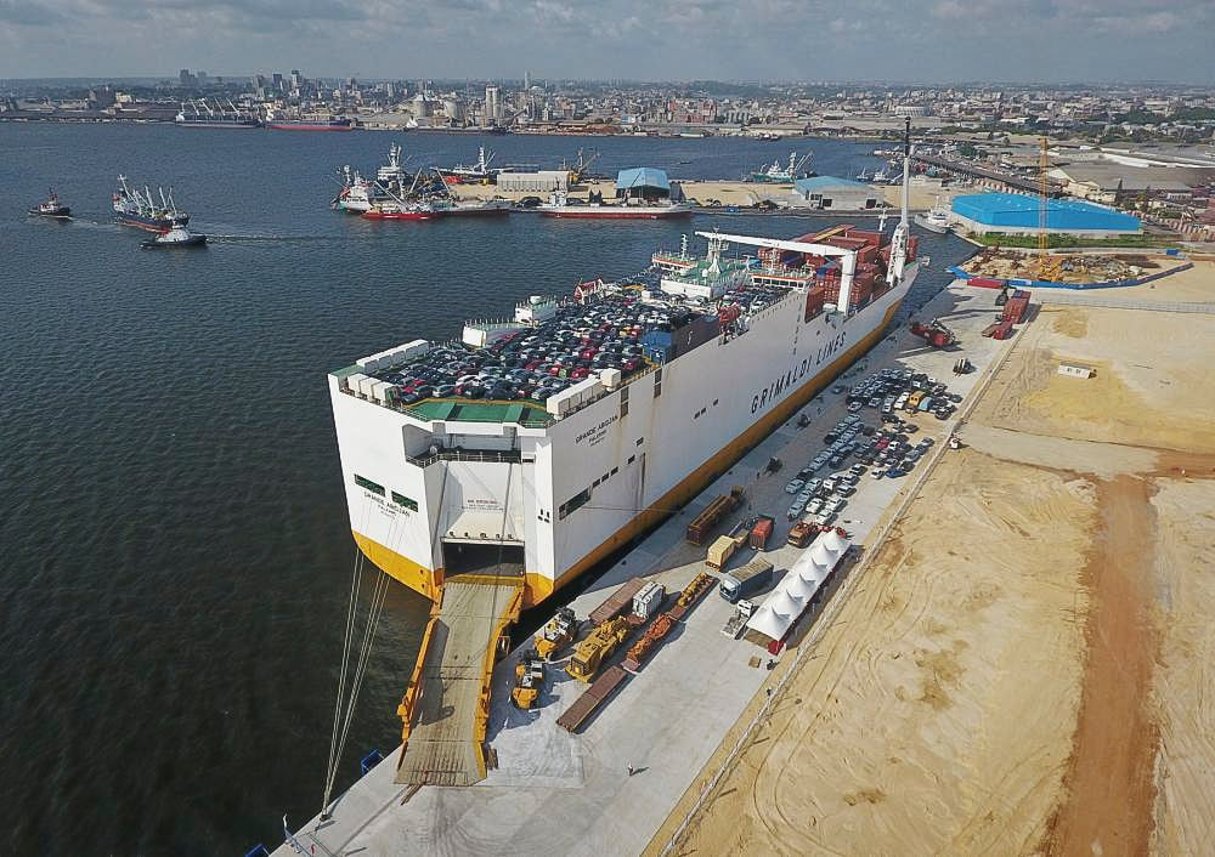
553, 792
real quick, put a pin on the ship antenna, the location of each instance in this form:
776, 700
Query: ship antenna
906, 170
899, 243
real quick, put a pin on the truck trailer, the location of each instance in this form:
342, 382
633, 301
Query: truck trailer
746, 581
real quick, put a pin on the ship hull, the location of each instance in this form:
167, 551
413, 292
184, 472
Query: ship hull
220, 126
151, 224
609, 213
309, 126
399, 215
717, 402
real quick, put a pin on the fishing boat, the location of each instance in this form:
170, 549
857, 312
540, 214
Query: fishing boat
776, 173
480, 171
395, 210
139, 209
560, 205
471, 207
52, 208
357, 193
176, 238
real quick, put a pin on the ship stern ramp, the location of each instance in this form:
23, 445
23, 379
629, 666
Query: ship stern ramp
445, 710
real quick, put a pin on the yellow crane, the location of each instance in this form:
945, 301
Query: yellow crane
1048, 269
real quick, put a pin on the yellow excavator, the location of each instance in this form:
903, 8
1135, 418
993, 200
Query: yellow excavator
597, 647
557, 633
529, 680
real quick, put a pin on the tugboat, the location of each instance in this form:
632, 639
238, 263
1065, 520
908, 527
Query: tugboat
139, 210
178, 236
52, 208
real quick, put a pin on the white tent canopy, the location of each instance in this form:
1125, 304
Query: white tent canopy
792, 595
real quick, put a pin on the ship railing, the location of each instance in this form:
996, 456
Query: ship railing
495, 456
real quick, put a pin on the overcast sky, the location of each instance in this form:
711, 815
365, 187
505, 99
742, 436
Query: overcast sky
895, 40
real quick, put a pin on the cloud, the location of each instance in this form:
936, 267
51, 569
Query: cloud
26, 13
653, 39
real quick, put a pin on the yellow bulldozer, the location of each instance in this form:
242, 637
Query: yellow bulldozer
596, 648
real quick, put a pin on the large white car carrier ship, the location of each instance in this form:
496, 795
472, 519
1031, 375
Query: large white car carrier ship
488, 473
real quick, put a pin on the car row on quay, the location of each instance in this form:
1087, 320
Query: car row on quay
885, 451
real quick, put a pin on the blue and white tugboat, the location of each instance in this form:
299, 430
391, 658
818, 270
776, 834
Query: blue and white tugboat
52, 208
178, 236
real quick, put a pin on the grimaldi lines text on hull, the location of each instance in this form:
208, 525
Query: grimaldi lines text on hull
539, 445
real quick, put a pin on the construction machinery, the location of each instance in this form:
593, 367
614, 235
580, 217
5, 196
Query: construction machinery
649, 640
557, 633
597, 647
529, 680
934, 333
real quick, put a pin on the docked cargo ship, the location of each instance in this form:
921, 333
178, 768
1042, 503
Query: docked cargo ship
201, 114
557, 435
141, 210
486, 473
337, 123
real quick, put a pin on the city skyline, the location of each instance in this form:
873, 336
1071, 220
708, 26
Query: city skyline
1016, 41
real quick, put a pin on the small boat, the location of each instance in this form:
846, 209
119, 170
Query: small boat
936, 219
52, 208
178, 236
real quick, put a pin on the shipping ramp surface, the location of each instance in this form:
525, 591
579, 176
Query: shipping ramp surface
447, 718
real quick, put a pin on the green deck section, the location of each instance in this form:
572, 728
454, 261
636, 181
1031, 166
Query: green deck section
472, 411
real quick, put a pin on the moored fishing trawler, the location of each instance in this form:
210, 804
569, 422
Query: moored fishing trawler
489, 472
141, 210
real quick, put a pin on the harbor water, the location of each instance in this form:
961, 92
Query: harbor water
174, 551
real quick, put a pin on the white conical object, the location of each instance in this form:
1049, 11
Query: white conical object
833, 540
785, 606
822, 555
799, 589
813, 574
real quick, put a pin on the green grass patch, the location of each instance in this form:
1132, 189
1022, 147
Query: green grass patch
1057, 240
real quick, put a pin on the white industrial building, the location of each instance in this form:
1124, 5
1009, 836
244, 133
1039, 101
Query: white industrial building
836, 194
543, 181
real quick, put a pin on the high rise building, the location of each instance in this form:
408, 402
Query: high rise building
493, 105
527, 80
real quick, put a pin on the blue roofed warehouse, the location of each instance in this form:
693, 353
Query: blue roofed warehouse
645, 183
1015, 213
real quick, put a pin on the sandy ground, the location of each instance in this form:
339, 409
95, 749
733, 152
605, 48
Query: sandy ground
740, 193
1195, 285
910, 731
1152, 386
1025, 667
1185, 675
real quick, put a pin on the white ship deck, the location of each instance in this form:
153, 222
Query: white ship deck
557, 793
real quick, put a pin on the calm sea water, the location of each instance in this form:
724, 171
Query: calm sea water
174, 552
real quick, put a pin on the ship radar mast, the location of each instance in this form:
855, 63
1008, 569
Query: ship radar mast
899, 243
